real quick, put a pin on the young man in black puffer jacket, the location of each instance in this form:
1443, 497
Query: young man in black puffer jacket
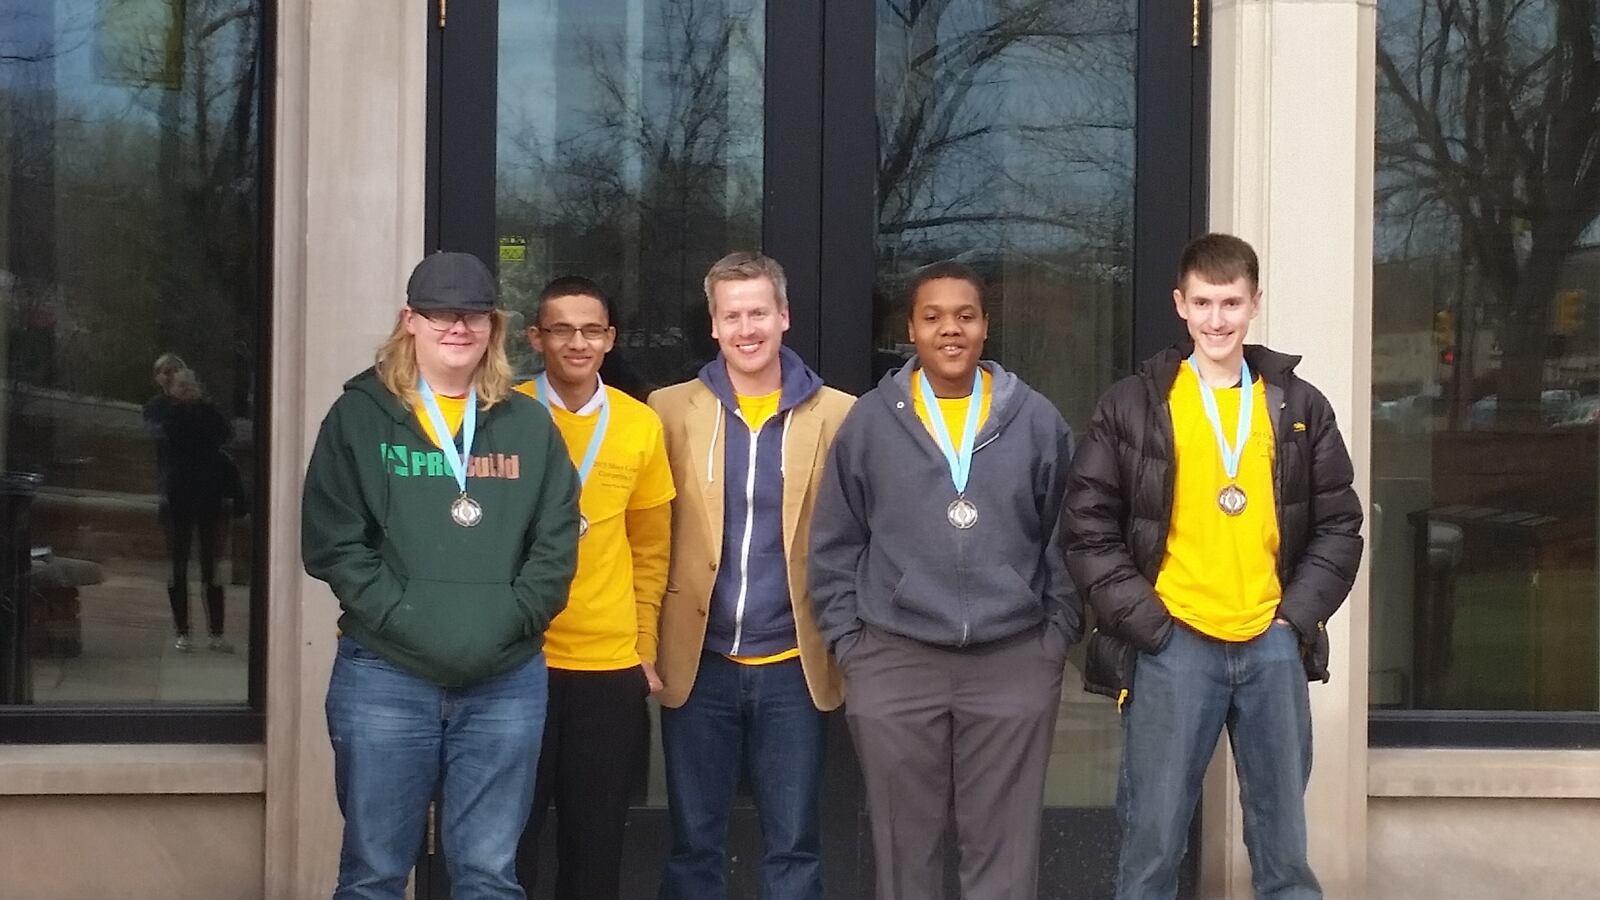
1211, 523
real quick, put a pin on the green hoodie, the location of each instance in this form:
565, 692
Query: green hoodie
449, 604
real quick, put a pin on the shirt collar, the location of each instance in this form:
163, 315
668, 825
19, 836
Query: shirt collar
590, 408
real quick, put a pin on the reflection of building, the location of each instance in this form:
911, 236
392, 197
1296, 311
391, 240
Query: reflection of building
1411, 803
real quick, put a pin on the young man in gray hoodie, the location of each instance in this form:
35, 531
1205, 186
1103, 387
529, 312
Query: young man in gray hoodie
939, 588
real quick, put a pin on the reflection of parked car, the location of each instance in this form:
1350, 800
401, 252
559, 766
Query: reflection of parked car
1408, 413
1583, 411
1554, 407
1411, 413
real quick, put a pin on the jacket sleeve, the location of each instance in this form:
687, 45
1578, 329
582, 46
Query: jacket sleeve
552, 540
340, 532
839, 539
1063, 607
1323, 575
1096, 545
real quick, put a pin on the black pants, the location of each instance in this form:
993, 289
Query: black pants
592, 760
184, 519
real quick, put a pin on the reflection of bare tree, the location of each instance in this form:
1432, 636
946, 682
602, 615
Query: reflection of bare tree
146, 237
655, 168
1489, 116
959, 81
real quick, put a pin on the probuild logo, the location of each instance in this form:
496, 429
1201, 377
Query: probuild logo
401, 460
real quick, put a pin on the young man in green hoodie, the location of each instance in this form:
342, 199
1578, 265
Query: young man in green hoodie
442, 509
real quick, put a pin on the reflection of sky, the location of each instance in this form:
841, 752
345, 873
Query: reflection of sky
1411, 219
72, 39
552, 102
1056, 117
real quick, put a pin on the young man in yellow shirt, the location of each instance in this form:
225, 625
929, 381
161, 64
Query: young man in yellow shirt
1211, 522
747, 679
601, 649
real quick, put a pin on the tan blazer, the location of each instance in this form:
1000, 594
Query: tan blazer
688, 413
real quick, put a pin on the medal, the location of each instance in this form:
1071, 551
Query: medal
464, 510
541, 390
961, 512
1231, 499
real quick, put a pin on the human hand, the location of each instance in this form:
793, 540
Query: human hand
651, 678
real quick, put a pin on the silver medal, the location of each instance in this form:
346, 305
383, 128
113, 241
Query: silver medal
583, 526
466, 512
961, 513
1232, 500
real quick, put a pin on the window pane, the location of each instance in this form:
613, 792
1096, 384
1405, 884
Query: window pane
629, 151
1486, 358
129, 290
1005, 141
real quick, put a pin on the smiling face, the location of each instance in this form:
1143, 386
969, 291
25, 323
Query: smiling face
948, 327
449, 346
574, 335
748, 321
1218, 317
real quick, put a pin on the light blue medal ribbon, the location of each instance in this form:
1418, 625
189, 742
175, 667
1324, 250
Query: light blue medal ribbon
465, 511
1232, 498
961, 512
541, 390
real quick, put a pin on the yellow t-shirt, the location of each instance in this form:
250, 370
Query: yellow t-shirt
1220, 572
953, 408
756, 410
454, 409
610, 619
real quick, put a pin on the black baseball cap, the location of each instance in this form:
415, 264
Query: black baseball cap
448, 280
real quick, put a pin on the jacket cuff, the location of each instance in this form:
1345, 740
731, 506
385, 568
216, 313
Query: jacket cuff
1303, 621
1148, 627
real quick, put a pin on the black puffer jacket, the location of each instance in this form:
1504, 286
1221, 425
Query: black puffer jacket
1119, 503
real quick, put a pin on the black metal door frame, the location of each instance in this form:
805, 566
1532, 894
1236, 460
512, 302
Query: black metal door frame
818, 219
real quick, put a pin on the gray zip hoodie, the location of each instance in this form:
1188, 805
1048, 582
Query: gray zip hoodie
884, 553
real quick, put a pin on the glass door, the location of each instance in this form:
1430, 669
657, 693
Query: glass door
1055, 145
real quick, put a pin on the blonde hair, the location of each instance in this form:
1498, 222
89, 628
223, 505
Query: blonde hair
165, 365
397, 364
745, 265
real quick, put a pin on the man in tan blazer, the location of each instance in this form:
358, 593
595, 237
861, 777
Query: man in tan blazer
746, 676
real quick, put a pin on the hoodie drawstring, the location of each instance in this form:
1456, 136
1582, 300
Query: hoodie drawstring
783, 444
711, 452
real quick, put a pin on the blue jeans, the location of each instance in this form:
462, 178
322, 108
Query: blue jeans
396, 737
1182, 699
762, 715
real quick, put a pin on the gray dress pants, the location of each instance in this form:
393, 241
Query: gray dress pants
965, 730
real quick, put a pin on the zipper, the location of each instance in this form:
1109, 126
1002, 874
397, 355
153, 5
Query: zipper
1277, 478
744, 546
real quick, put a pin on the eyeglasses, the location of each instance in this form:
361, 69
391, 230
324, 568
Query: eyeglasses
444, 321
563, 332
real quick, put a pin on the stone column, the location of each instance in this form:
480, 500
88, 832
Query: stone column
1292, 171
350, 149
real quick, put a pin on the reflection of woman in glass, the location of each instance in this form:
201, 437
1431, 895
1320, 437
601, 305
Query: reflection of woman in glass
193, 477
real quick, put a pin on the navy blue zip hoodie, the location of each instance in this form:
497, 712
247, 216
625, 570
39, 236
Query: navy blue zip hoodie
751, 611
884, 554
